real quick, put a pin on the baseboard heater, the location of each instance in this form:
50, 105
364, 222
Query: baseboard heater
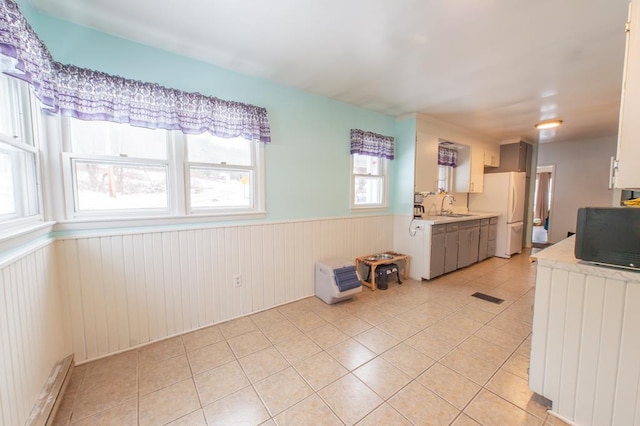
50, 397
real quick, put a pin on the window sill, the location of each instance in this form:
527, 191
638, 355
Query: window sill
15, 240
372, 209
104, 226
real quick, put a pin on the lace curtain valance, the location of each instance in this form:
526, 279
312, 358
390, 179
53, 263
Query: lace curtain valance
447, 157
369, 143
94, 95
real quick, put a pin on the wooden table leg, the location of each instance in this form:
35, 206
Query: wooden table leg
406, 268
373, 277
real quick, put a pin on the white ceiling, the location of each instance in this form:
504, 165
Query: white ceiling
494, 66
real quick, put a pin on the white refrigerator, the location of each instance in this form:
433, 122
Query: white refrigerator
504, 194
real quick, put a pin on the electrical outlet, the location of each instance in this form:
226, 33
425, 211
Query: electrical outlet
236, 281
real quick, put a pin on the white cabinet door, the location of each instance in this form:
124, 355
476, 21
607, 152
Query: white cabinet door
627, 175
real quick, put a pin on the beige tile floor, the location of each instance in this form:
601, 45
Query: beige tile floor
423, 353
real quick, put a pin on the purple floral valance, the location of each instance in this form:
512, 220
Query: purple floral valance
369, 143
447, 157
94, 95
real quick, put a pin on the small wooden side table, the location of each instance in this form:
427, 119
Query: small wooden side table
374, 262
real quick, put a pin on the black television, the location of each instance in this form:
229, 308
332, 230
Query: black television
609, 236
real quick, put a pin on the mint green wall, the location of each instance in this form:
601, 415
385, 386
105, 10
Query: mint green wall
308, 161
403, 170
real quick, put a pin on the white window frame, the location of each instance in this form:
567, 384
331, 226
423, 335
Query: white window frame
384, 176
177, 183
23, 109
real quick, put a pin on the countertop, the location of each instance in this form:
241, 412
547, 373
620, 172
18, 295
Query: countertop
435, 220
562, 256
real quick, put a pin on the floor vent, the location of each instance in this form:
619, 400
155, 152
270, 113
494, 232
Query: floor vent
488, 298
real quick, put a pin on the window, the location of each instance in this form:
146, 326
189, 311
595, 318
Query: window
369, 181
19, 191
118, 170
445, 178
220, 173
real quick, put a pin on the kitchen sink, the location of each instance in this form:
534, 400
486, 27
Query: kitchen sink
457, 215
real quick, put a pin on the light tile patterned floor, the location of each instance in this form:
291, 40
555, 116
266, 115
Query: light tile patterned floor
424, 353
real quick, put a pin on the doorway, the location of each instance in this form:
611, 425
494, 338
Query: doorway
542, 205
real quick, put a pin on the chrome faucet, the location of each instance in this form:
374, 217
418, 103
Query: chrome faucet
451, 200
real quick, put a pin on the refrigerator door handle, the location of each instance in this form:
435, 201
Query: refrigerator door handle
514, 194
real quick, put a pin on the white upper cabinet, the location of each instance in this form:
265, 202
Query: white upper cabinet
627, 174
492, 157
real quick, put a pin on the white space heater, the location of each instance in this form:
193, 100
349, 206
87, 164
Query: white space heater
336, 280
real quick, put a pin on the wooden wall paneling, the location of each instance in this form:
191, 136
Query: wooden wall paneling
106, 259
120, 292
589, 349
31, 331
257, 267
217, 251
244, 269
268, 261
141, 289
609, 351
10, 362
72, 303
558, 302
627, 392
131, 291
565, 404
540, 326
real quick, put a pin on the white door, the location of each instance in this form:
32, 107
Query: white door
515, 238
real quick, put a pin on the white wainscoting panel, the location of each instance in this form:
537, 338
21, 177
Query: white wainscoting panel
32, 339
585, 353
125, 290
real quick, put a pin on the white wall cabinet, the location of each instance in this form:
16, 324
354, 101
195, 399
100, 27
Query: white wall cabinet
627, 173
469, 174
491, 158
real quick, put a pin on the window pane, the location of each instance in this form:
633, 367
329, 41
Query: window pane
10, 106
104, 186
206, 148
367, 165
7, 196
368, 190
212, 188
105, 138
18, 185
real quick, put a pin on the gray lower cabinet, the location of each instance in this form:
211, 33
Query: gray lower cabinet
458, 244
493, 232
451, 245
468, 241
483, 247
438, 249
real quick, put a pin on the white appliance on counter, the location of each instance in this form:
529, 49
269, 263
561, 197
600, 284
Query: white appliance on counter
504, 194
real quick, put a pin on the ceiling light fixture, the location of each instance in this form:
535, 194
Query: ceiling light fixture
548, 124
